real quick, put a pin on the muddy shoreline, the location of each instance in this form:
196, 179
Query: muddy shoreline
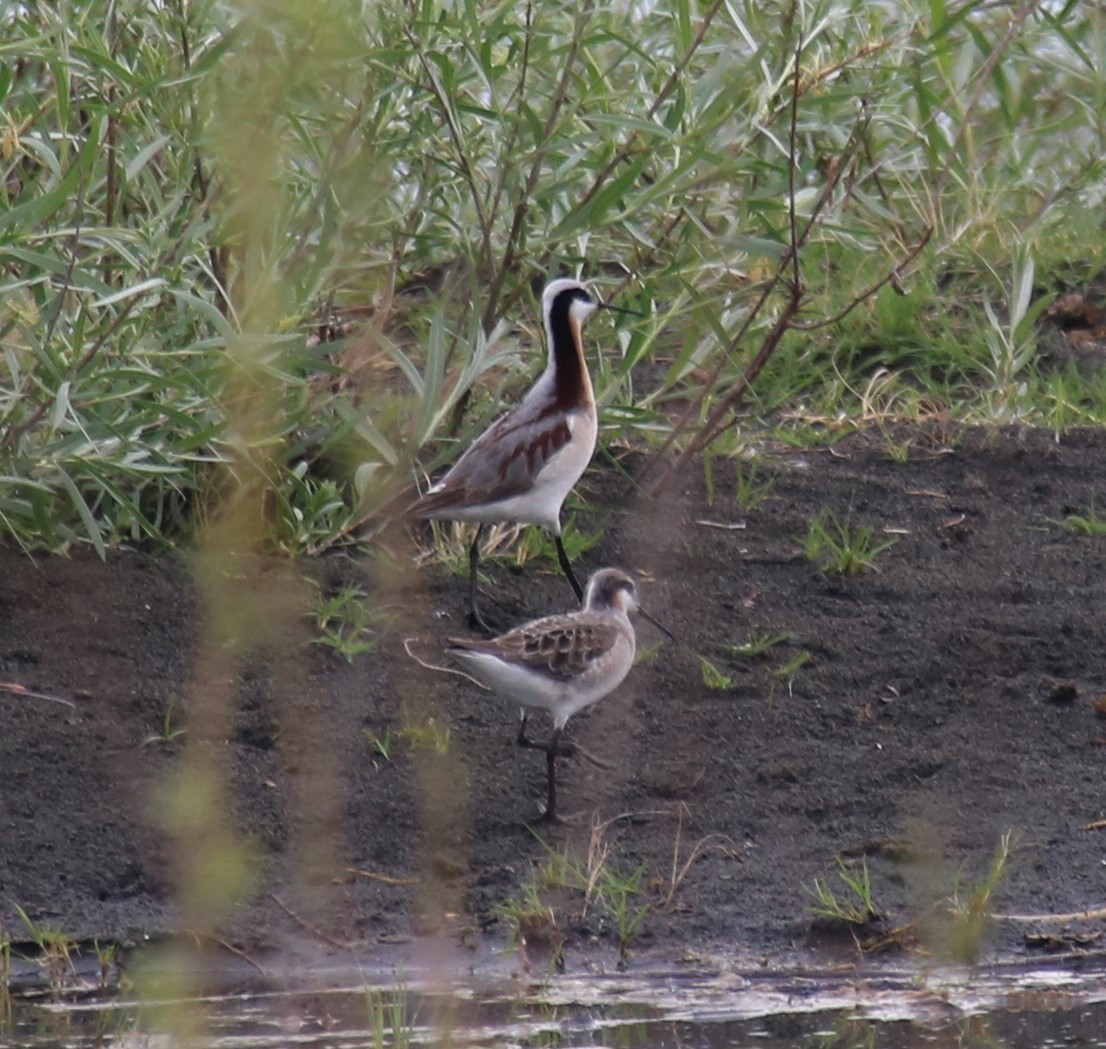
911, 715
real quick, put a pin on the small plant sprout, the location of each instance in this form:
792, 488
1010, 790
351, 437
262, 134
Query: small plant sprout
897, 450
1091, 523
450, 542
55, 950
714, 678
348, 624
751, 485
536, 545
528, 909
595, 877
381, 744
315, 512
787, 672
647, 653
619, 893
972, 916
529, 916
837, 548
854, 905
168, 732
757, 643
1013, 345
427, 735
107, 955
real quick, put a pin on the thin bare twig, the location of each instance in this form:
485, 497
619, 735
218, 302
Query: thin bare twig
13, 688
679, 871
307, 927
206, 937
438, 667
1096, 914
894, 274
387, 879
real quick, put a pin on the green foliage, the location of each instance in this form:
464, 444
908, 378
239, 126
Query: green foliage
716, 680
107, 958
839, 548
381, 744
348, 623
620, 893
427, 734
1092, 523
757, 643
389, 1023
564, 876
852, 903
56, 950
751, 485
1012, 342
281, 250
536, 544
168, 732
971, 915
785, 673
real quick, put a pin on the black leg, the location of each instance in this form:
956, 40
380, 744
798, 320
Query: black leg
475, 619
567, 568
553, 749
563, 750
550, 814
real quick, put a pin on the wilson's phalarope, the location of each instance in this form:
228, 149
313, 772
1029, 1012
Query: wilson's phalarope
561, 663
525, 464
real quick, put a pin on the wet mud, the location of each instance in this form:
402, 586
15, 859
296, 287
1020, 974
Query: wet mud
909, 716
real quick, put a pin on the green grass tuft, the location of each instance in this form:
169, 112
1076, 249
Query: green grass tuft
837, 547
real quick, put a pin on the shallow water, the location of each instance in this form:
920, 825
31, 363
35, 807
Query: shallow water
1016, 1007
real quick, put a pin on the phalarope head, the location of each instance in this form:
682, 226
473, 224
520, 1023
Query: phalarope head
574, 301
611, 589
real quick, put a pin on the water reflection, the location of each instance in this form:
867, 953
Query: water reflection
1018, 1008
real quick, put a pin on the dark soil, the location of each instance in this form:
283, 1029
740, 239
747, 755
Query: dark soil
946, 698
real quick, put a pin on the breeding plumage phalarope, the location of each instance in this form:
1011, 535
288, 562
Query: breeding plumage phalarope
561, 663
525, 464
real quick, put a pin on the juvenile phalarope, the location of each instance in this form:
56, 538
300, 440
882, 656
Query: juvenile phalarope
561, 663
525, 464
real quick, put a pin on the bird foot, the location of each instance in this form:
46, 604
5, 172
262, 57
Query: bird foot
564, 749
560, 820
599, 763
477, 622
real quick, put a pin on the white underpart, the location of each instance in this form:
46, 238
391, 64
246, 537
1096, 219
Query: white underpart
538, 691
541, 503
